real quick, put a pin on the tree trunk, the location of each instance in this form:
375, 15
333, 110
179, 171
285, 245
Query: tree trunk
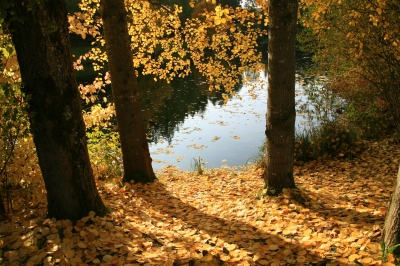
391, 229
135, 149
281, 112
3, 214
43, 49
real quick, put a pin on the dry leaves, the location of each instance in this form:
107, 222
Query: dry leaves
215, 219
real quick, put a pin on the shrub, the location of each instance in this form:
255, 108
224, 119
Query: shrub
19, 166
105, 153
329, 139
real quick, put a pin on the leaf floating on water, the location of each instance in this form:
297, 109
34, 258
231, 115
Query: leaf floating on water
159, 161
220, 122
179, 158
197, 147
215, 139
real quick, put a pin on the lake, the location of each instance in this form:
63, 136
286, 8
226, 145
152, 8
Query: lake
187, 122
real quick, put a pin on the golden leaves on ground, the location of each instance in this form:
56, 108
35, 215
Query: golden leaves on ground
215, 219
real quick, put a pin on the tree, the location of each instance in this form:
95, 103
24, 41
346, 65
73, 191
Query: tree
281, 114
391, 230
135, 150
356, 45
40, 35
221, 43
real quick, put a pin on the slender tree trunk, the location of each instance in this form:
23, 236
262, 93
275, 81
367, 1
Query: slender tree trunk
281, 112
391, 230
43, 49
135, 149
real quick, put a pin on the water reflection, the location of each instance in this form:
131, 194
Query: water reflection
186, 121
165, 106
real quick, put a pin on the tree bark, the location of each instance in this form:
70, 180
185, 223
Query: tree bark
135, 149
3, 214
41, 40
281, 112
391, 229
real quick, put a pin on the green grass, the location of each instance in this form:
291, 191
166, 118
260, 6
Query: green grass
197, 166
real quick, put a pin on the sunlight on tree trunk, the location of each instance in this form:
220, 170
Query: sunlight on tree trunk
281, 112
40, 35
391, 230
135, 149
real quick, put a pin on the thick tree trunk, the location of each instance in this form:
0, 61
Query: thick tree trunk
391, 230
43, 49
135, 149
281, 112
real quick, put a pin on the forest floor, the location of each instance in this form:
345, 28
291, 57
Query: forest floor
218, 219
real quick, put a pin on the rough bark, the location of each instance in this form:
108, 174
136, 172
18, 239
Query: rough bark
391, 229
43, 49
281, 112
135, 149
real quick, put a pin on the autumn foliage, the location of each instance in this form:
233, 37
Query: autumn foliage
356, 44
218, 217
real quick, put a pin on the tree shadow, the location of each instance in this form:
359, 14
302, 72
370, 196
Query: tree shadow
211, 238
356, 208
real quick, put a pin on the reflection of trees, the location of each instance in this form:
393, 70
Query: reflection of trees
166, 106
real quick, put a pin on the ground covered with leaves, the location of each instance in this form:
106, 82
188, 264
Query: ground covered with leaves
219, 218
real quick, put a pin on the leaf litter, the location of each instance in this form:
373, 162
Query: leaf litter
217, 219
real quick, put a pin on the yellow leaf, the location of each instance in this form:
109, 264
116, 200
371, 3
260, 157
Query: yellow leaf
231, 247
353, 257
390, 258
273, 247
367, 261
